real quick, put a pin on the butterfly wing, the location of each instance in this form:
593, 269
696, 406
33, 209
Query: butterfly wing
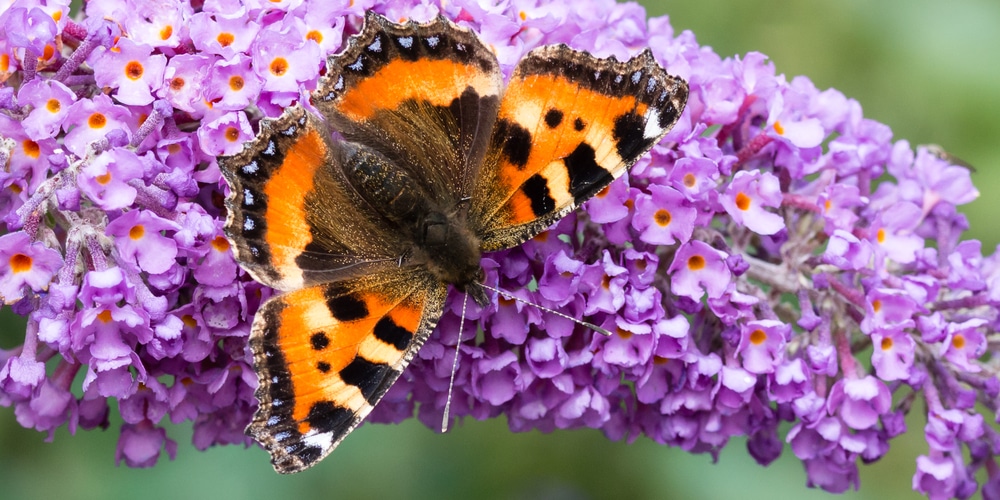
327, 354
424, 95
293, 219
569, 123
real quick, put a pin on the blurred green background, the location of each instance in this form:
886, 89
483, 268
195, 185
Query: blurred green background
930, 70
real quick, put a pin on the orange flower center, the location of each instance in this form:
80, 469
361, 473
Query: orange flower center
225, 39
662, 217
133, 70
886, 344
279, 66
220, 243
166, 32
696, 263
232, 134
20, 263
137, 232
690, 180
958, 341
31, 149
742, 201
97, 120
177, 83
104, 316
53, 105
758, 337
236, 83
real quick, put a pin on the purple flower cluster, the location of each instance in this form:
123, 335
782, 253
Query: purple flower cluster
777, 258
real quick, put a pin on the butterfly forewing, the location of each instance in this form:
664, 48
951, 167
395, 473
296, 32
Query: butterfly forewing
424, 95
569, 124
286, 216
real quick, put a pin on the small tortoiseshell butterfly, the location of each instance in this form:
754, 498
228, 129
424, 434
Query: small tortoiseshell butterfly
438, 163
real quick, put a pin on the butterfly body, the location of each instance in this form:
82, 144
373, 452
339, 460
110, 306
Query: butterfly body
439, 164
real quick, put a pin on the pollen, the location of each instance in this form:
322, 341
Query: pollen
279, 66
689, 180
880, 235
31, 149
47, 52
660, 360
662, 217
53, 105
16, 189
958, 341
103, 179
57, 15
758, 337
189, 321
173, 148
166, 32
742, 201
606, 282
696, 263
104, 316
177, 83
225, 39
220, 244
97, 120
778, 128
877, 305
523, 15
4, 62
623, 334
315, 36
133, 70
232, 134
603, 192
886, 344
137, 232
236, 83
20, 263
827, 205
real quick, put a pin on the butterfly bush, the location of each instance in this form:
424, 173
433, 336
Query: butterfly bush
777, 258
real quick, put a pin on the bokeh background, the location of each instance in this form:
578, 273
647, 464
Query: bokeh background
928, 69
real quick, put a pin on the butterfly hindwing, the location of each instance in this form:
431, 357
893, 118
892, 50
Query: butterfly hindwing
424, 95
325, 355
569, 124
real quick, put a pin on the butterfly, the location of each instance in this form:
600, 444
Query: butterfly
437, 162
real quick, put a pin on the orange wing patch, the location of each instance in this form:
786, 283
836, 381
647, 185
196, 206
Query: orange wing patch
288, 232
437, 82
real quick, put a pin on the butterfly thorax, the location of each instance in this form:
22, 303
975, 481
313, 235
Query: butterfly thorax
441, 239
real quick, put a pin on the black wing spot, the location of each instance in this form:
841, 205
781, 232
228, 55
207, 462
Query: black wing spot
585, 174
323, 366
345, 307
319, 341
579, 124
629, 138
389, 332
536, 188
364, 375
553, 118
516, 142
325, 417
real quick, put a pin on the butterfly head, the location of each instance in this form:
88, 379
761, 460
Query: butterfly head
451, 252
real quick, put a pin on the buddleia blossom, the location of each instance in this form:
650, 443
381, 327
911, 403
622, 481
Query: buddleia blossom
776, 258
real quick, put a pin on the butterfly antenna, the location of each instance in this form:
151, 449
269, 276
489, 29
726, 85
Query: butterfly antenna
578, 321
454, 368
